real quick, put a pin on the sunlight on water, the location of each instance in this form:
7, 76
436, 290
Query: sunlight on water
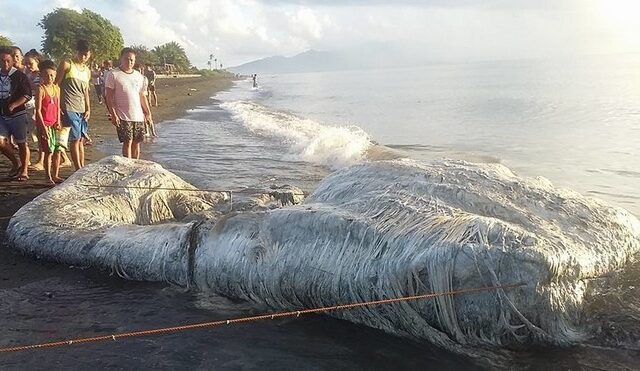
573, 122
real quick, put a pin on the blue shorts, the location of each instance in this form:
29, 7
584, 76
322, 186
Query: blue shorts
14, 126
77, 123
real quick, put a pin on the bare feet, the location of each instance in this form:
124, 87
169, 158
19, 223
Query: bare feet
58, 180
36, 167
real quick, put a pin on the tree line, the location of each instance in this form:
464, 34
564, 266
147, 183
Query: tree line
63, 27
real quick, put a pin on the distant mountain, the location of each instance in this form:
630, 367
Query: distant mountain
308, 61
316, 61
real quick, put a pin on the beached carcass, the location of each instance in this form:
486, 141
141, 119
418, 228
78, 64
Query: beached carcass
370, 231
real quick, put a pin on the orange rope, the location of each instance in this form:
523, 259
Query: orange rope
296, 313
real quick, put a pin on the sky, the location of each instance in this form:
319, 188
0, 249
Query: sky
239, 31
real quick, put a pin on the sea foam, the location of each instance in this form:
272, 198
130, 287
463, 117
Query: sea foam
306, 139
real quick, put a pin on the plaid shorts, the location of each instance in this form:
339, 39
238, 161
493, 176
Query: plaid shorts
130, 131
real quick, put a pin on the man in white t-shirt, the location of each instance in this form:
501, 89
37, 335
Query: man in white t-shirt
126, 101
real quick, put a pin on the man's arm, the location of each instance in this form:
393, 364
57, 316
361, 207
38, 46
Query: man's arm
59, 123
145, 107
63, 68
144, 102
111, 92
24, 90
17, 103
87, 104
62, 71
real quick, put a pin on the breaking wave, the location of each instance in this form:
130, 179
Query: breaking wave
307, 140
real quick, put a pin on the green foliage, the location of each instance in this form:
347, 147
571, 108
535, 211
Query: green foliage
173, 53
144, 55
63, 27
5, 41
212, 73
105, 37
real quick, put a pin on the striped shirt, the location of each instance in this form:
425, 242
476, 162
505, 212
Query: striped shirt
13, 86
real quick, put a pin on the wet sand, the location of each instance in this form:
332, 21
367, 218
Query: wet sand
175, 96
43, 301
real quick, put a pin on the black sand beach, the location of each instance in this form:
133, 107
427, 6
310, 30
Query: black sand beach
44, 301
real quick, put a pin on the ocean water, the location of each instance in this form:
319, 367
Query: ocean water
574, 122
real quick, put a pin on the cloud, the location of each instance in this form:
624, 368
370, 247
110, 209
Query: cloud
242, 30
445, 4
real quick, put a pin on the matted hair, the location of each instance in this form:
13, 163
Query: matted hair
82, 46
126, 51
46, 65
34, 54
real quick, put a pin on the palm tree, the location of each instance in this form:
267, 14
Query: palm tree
173, 53
144, 55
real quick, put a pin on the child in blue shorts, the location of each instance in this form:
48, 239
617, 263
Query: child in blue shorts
74, 77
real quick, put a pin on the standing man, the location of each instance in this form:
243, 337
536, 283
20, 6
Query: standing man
96, 80
107, 66
129, 107
15, 91
150, 74
73, 78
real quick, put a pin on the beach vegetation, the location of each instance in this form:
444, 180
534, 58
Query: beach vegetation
210, 73
63, 27
5, 41
173, 53
145, 56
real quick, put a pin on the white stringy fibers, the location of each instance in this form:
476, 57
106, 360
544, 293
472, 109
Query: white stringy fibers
370, 231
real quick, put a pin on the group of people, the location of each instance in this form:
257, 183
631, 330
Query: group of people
51, 104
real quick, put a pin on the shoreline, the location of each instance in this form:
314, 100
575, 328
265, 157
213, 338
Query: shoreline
175, 97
